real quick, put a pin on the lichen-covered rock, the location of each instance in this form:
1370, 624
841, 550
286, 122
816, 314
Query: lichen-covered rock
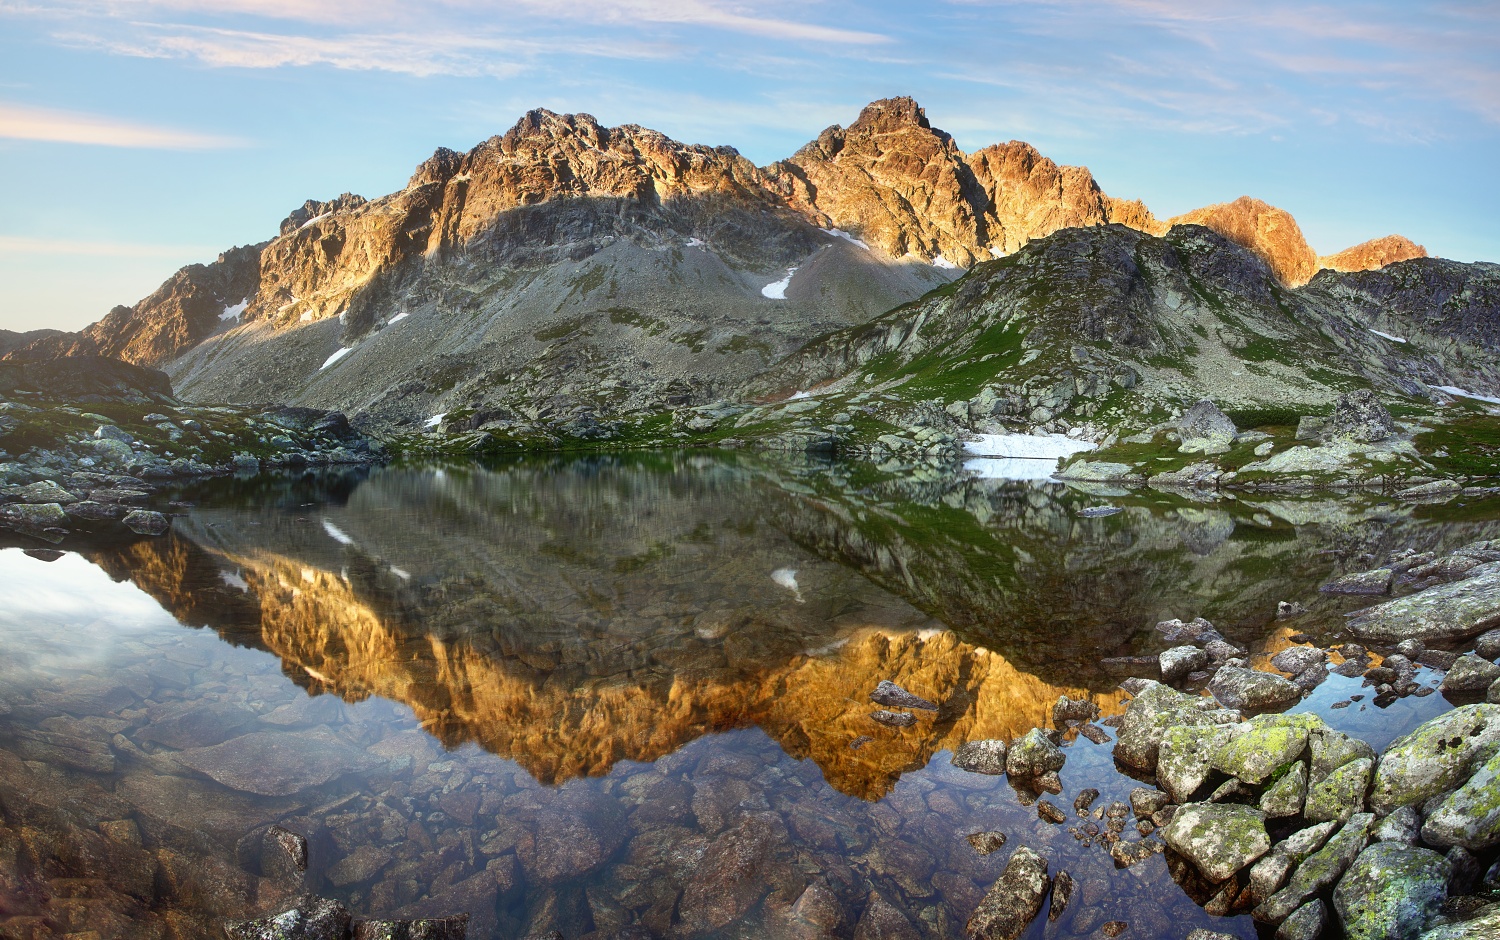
1469, 816
981, 757
1219, 839
146, 522
1206, 430
1251, 690
1285, 796
1436, 757
1444, 613
1404, 826
1067, 709
1359, 416
1268, 874
1145, 801
1296, 660
1152, 711
890, 694
1391, 892
1470, 674
310, 919
1014, 900
1484, 925
1185, 757
1260, 747
1375, 583
1033, 754
1331, 750
1319, 871
1179, 661
1341, 794
33, 515
1306, 922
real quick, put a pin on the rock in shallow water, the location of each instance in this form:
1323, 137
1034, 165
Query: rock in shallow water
1470, 674
1219, 839
278, 763
1444, 613
1177, 663
1319, 871
1392, 891
1260, 747
981, 757
1252, 690
310, 919
1013, 902
1033, 754
1156, 708
146, 522
892, 695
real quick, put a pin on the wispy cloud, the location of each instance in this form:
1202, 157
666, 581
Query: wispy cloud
22, 244
22, 122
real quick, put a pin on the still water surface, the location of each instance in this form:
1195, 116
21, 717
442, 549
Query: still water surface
619, 697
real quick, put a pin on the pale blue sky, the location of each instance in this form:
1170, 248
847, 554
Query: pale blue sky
139, 135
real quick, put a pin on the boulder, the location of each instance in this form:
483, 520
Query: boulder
1014, 900
1359, 416
1178, 662
1330, 750
311, 919
1156, 708
1285, 796
1404, 826
1441, 614
1306, 922
1206, 430
1469, 816
1319, 871
1252, 690
1033, 754
1298, 659
1218, 838
1391, 892
1470, 674
1067, 709
431, 928
1436, 757
146, 522
1341, 794
1375, 582
1487, 646
1265, 744
1484, 925
36, 516
890, 694
981, 757
1185, 757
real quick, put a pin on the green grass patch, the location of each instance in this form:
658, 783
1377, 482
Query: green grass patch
1467, 447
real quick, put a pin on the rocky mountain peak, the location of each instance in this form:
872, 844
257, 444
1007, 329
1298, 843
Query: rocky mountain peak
1266, 230
1375, 253
891, 114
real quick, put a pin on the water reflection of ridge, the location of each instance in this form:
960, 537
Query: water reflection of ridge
569, 618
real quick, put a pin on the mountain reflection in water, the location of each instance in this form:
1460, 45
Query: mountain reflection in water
720, 621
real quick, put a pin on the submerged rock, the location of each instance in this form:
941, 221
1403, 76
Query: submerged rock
1013, 902
278, 763
1435, 758
986, 843
1391, 891
1219, 839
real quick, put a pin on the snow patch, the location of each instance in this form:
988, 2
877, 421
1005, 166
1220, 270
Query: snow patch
997, 252
435, 420
840, 233
398, 318
941, 262
1394, 339
305, 318
341, 353
337, 534
799, 395
1460, 393
776, 290
1010, 468
695, 243
787, 578
1026, 446
401, 573
233, 579
233, 313
315, 219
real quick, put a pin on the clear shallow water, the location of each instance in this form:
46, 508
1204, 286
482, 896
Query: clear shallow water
617, 697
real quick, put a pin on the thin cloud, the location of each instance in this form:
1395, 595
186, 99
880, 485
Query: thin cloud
22, 122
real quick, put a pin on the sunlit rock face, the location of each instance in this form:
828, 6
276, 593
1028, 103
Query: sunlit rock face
571, 615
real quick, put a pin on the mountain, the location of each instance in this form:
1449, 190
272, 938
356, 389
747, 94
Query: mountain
10, 340
568, 274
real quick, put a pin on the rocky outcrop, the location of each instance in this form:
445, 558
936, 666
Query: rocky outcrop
1270, 232
1373, 254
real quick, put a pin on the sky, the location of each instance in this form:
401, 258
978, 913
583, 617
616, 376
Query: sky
137, 136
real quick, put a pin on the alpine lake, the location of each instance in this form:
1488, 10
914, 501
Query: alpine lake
630, 696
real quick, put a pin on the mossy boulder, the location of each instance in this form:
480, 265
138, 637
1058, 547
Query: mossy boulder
1436, 757
1319, 871
1286, 795
1218, 838
1391, 892
1155, 709
1341, 794
1469, 816
1260, 747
